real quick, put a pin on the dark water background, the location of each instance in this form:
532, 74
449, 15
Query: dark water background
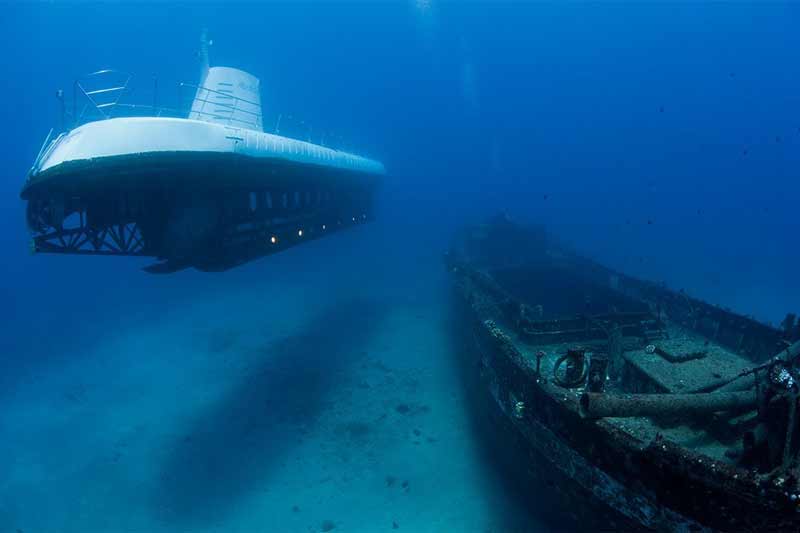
660, 138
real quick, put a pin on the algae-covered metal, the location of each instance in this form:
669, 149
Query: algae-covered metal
654, 409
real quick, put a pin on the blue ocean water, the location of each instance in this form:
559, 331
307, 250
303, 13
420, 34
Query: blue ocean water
321, 386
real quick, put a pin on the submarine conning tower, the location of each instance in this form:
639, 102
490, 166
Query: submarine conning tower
207, 188
223, 86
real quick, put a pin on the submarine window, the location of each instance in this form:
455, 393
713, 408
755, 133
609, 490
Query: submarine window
273, 239
299, 233
323, 226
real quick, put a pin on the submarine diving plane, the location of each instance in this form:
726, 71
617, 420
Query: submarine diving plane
208, 189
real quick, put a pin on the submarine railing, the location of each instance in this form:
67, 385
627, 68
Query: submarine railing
233, 108
104, 101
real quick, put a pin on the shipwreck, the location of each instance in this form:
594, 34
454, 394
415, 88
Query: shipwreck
646, 408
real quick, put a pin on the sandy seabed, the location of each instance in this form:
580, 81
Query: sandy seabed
287, 405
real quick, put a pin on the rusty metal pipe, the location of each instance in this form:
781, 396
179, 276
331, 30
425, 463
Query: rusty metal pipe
600, 405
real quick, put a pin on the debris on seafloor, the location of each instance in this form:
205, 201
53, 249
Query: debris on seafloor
412, 409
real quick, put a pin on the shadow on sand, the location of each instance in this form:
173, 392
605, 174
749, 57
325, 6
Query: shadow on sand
230, 448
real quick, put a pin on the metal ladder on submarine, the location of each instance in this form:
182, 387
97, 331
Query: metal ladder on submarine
207, 189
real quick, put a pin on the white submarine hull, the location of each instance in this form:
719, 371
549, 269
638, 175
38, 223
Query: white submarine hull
126, 142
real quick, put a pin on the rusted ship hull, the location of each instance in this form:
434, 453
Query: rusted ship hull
609, 477
532, 459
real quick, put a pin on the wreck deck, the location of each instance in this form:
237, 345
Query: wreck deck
698, 364
711, 440
692, 437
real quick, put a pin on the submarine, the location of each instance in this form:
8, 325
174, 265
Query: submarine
205, 188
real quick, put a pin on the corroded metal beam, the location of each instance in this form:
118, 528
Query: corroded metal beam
600, 405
